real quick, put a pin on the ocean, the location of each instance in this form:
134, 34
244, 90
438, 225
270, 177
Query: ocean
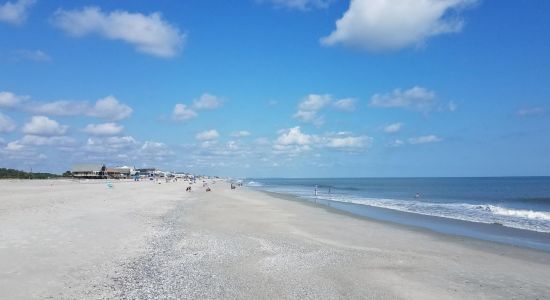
450, 205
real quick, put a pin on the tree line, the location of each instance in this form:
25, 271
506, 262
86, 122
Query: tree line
17, 174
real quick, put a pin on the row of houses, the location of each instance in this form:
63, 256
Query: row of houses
99, 171
94, 171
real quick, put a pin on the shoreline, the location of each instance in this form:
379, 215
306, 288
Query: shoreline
489, 232
145, 240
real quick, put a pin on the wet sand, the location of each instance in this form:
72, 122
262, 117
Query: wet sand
67, 239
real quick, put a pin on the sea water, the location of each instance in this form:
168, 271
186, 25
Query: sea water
512, 202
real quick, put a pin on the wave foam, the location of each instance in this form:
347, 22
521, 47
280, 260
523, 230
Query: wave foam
529, 214
483, 213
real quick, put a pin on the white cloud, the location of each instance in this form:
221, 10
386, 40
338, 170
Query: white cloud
232, 145
11, 100
240, 134
207, 135
294, 136
34, 55
397, 143
14, 146
309, 116
348, 142
345, 141
15, 12
309, 106
393, 128
416, 98
347, 104
155, 149
35, 140
148, 33
381, 25
294, 141
182, 112
110, 144
424, 139
530, 111
109, 108
43, 126
103, 129
300, 4
59, 108
6, 124
208, 101
314, 102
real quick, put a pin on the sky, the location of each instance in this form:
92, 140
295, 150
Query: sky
278, 88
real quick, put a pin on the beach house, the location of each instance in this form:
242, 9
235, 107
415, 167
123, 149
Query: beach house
88, 171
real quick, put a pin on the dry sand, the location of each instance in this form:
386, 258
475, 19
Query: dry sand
64, 239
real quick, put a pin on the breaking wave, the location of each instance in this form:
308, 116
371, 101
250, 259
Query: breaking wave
485, 213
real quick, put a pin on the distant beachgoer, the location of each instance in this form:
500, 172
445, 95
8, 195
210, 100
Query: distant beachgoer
315, 190
417, 195
208, 189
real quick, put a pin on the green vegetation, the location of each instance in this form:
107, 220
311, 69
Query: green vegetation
16, 174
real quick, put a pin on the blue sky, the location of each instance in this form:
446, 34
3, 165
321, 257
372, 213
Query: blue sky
287, 88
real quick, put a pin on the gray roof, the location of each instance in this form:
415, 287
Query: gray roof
87, 168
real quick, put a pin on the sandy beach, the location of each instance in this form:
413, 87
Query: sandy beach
63, 239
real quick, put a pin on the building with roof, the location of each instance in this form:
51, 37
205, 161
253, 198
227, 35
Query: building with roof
88, 171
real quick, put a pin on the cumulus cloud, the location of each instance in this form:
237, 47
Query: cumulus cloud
314, 102
35, 140
109, 108
347, 104
6, 124
382, 25
207, 135
11, 100
44, 126
424, 139
155, 151
208, 101
150, 34
103, 129
345, 141
59, 108
294, 141
14, 146
309, 106
110, 144
309, 116
294, 136
15, 12
240, 134
530, 111
300, 4
182, 112
416, 98
393, 128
